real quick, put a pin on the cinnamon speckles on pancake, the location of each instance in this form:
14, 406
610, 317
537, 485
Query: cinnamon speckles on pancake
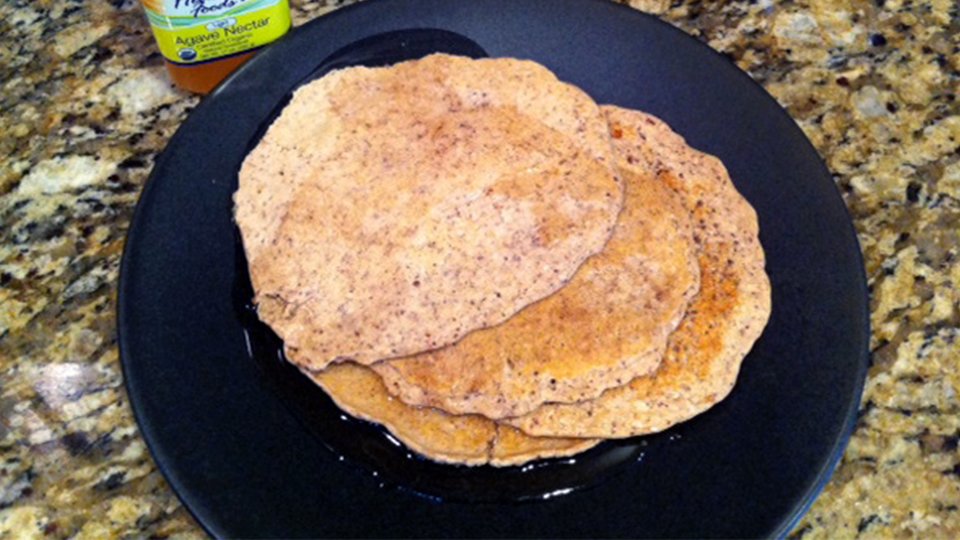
388, 211
481, 259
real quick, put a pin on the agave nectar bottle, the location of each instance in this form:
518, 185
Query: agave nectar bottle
204, 40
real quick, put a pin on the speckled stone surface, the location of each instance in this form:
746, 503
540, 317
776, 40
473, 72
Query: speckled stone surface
85, 107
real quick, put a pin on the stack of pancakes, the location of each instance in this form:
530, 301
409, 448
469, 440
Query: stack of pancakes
477, 256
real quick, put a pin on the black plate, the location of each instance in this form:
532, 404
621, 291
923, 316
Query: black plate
253, 449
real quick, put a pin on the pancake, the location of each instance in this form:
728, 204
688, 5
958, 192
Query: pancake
608, 325
390, 211
467, 440
703, 357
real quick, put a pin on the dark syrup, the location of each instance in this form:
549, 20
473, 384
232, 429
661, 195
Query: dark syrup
368, 447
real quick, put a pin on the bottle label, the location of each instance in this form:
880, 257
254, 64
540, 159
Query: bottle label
193, 31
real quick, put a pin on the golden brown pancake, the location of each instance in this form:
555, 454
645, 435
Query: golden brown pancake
609, 325
468, 440
389, 211
704, 354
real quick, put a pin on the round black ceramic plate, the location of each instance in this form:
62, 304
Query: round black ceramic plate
255, 450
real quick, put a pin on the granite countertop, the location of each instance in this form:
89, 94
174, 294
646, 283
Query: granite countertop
86, 107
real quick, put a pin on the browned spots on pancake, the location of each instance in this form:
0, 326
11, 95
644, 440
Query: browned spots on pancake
703, 355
